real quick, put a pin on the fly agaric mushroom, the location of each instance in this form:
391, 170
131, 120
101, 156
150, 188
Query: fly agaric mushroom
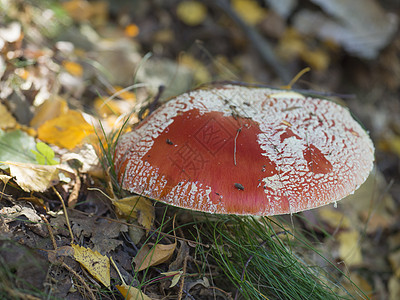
232, 149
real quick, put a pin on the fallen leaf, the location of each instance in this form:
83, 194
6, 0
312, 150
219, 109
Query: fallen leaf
16, 146
201, 72
191, 13
249, 10
105, 233
49, 109
176, 276
394, 259
136, 207
7, 120
318, 59
73, 68
349, 247
97, 265
334, 217
152, 256
131, 293
394, 288
32, 177
67, 130
363, 33
86, 159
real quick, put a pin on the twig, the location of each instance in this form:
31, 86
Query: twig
53, 240
183, 277
66, 214
92, 296
87, 288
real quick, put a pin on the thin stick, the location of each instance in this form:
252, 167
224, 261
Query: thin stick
183, 277
92, 296
53, 240
66, 214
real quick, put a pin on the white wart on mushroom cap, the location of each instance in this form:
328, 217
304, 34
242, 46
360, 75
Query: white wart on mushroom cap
241, 150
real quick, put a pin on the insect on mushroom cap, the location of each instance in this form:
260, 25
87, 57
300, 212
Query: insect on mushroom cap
232, 149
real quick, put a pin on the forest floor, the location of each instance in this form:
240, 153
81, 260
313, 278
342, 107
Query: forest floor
68, 66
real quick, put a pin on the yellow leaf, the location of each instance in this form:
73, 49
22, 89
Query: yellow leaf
333, 217
106, 109
65, 131
318, 59
98, 265
73, 68
249, 10
49, 109
131, 293
177, 275
32, 177
291, 44
191, 13
349, 247
126, 95
136, 207
153, 256
131, 30
6, 120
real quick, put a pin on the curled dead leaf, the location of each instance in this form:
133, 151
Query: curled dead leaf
152, 256
136, 207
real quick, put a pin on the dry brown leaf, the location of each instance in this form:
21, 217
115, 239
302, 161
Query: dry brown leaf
98, 265
131, 293
136, 207
153, 256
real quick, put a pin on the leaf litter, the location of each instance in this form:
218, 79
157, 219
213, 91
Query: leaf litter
48, 92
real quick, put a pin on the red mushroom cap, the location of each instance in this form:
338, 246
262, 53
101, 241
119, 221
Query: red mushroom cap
242, 150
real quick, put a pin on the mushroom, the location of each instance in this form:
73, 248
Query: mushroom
232, 149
